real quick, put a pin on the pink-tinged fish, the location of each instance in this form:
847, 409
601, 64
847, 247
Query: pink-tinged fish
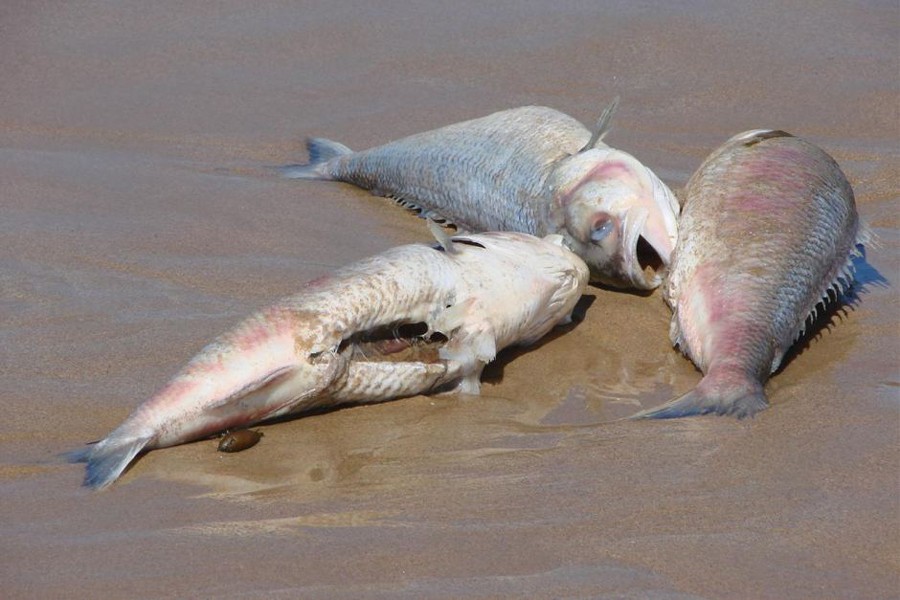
412, 320
531, 169
768, 230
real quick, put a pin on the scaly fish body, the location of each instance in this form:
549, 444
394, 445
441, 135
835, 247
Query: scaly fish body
531, 169
334, 342
768, 229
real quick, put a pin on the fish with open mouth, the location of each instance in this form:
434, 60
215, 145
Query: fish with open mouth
531, 169
412, 320
766, 238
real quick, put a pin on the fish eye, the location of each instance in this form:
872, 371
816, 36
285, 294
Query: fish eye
601, 230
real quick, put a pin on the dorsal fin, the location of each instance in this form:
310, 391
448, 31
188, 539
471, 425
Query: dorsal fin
603, 125
755, 136
440, 234
758, 135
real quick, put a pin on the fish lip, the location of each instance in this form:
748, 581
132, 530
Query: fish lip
632, 233
666, 213
669, 209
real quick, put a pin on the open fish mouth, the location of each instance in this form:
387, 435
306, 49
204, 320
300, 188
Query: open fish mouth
620, 216
657, 231
649, 261
645, 260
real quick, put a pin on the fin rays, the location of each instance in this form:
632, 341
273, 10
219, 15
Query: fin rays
107, 459
740, 399
603, 125
320, 151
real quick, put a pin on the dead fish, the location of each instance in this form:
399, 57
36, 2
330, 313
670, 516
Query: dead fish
470, 295
238, 441
530, 169
768, 231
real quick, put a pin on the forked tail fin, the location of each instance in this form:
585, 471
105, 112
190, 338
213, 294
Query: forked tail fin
320, 151
107, 459
723, 394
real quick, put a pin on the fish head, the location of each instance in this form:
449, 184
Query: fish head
617, 215
565, 275
521, 284
570, 274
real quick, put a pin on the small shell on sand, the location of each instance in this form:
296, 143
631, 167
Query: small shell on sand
236, 441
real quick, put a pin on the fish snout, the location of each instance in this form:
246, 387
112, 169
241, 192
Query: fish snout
648, 234
650, 228
645, 256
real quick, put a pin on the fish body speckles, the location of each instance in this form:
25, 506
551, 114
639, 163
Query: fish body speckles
411, 320
531, 169
768, 230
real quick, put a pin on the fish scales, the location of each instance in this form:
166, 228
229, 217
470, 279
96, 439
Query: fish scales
531, 169
478, 292
370, 293
364, 381
365, 295
769, 228
467, 172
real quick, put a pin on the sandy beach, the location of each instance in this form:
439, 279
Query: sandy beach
140, 220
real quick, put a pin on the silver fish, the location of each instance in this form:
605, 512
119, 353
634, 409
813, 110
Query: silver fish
412, 320
530, 169
768, 231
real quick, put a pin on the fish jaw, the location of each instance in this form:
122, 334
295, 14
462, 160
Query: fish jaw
617, 215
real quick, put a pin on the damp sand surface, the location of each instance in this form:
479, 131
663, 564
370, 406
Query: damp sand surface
139, 221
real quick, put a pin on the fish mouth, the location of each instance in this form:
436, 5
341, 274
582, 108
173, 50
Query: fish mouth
645, 263
649, 261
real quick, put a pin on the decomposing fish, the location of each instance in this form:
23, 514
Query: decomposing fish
531, 169
768, 232
414, 319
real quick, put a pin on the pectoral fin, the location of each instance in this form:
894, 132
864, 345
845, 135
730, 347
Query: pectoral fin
442, 237
280, 391
270, 378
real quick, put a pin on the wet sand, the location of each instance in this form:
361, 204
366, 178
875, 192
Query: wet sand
138, 222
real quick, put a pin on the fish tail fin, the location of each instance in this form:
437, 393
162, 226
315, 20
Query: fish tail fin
107, 459
723, 395
320, 151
